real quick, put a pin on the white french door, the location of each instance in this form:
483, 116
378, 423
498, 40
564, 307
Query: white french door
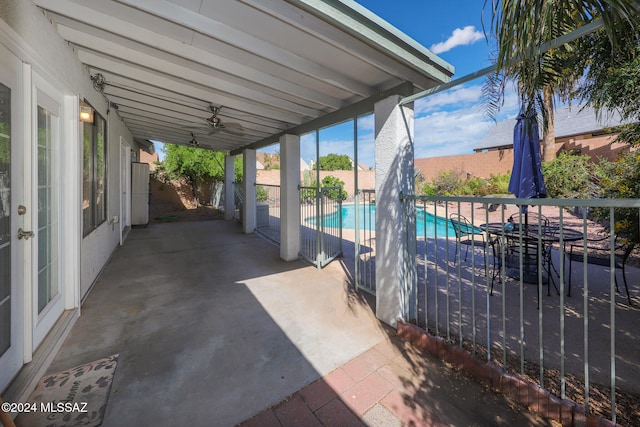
15, 244
48, 292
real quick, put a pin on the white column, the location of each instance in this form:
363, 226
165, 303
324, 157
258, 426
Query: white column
289, 197
229, 197
394, 175
249, 184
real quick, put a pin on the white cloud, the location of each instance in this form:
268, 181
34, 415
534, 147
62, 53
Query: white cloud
455, 97
448, 123
449, 133
460, 37
366, 123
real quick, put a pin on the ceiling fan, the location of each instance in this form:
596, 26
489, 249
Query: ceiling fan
194, 141
217, 125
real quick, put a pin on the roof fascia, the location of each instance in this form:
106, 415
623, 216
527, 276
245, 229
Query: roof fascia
373, 30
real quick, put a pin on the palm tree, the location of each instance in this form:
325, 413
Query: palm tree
520, 27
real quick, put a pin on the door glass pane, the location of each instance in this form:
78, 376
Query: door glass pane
5, 326
47, 211
5, 218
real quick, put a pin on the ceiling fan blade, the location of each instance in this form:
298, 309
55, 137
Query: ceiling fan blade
234, 128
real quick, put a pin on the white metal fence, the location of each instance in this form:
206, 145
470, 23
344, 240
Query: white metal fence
365, 242
268, 210
577, 346
320, 224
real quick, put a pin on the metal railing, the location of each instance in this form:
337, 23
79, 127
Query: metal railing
575, 346
320, 224
268, 211
238, 201
365, 242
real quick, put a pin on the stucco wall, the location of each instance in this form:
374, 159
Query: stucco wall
476, 164
499, 162
601, 146
366, 179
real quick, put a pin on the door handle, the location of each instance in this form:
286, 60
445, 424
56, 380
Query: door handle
26, 235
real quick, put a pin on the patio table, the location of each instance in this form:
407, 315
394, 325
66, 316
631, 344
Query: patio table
530, 236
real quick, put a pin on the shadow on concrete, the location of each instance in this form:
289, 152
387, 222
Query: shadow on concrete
211, 326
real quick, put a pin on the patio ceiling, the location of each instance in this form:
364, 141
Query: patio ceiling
270, 66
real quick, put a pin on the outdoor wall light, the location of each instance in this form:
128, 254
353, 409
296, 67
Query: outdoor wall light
86, 113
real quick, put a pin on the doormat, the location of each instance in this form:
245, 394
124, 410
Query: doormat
75, 397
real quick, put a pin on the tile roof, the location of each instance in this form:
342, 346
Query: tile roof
569, 121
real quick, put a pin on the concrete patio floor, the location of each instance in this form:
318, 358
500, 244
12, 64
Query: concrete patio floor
212, 329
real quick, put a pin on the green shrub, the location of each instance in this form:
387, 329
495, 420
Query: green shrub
499, 184
261, 194
447, 183
474, 186
620, 180
450, 184
570, 175
332, 181
429, 189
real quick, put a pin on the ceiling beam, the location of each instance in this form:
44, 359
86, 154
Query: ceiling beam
185, 72
264, 72
240, 39
103, 63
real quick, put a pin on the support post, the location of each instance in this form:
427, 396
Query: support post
229, 195
395, 219
249, 184
289, 197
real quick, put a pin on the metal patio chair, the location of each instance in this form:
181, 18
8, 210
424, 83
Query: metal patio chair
598, 253
466, 234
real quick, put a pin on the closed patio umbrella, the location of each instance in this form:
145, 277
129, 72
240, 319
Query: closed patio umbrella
526, 175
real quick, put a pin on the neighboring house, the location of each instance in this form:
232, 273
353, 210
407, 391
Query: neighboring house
575, 129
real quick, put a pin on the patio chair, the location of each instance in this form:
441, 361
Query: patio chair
530, 249
599, 250
497, 249
466, 234
529, 220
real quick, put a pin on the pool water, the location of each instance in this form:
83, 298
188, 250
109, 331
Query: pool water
368, 219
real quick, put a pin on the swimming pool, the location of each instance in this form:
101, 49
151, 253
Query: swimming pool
368, 219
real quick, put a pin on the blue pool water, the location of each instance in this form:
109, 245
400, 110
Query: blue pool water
368, 218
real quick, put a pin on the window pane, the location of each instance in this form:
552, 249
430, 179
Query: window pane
101, 163
87, 173
94, 204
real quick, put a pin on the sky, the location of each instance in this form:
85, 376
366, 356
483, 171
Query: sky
448, 123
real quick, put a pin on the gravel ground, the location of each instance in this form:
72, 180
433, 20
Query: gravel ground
170, 213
